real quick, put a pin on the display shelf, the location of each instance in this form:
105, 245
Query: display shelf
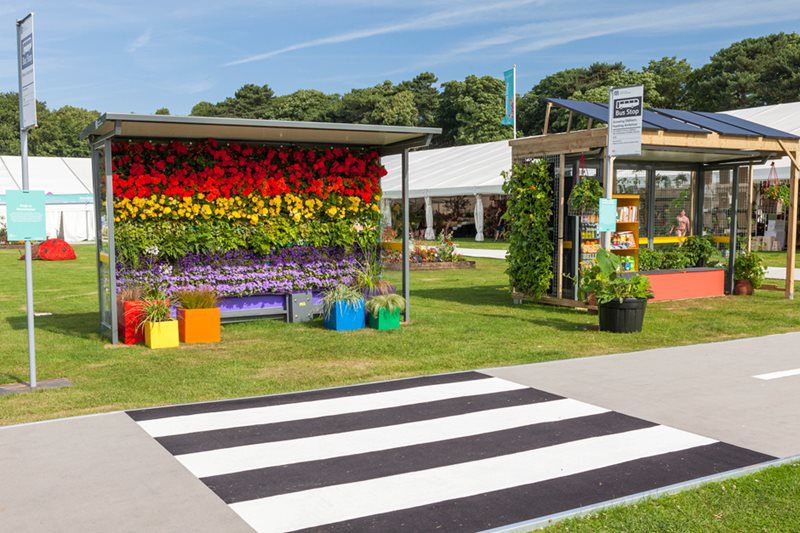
627, 230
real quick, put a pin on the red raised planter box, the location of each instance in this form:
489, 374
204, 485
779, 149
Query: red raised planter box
686, 284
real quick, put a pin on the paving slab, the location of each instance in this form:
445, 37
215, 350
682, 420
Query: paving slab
100, 473
708, 389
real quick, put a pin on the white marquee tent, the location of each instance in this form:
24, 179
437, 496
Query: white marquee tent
470, 170
67, 181
784, 117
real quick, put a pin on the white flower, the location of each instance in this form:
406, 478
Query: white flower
151, 250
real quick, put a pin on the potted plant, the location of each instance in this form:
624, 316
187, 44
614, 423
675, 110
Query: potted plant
343, 308
748, 273
383, 311
129, 315
160, 329
198, 315
622, 299
585, 195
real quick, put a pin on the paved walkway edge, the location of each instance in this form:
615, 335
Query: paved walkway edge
545, 521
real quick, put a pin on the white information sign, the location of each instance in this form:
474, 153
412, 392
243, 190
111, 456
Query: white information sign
625, 109
27, 82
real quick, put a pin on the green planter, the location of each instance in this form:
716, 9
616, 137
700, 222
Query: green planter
384, 320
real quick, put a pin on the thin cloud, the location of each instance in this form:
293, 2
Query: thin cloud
141, 41
449, 17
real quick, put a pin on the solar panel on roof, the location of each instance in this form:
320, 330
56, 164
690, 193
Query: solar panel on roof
760, 129
650, 120
709, 123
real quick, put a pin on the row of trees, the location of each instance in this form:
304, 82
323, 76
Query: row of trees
751, 72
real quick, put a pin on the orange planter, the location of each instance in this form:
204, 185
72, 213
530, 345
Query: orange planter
199, 325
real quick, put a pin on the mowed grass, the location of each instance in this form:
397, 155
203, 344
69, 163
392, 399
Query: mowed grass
461, 319
464, 242
764, 501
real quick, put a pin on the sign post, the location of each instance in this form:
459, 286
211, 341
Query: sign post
27, 120
625, 110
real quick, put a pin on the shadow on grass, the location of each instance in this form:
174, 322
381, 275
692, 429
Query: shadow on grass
554, 322
12, 378
476, 295
84, 325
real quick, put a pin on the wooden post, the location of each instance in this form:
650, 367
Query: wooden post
750, 207
547, 117
791, 235
569, 122
562, 162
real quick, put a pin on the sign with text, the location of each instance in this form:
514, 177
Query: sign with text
625, 109
27, 79
25, 211
607, 219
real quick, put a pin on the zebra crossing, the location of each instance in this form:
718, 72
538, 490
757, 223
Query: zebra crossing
453, 452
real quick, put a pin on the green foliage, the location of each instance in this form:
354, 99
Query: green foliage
671, 81
385, 302
675, 259
196, 298
305, 105
162, 111
752, 72
340, 293
585, 195
699, 249
155, 309
446, 249
530, 207
749, 266
470, 111
650, 259
606, 281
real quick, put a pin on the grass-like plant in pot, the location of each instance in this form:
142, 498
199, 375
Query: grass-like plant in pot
160, 329
129, 315
383, 311
748, 273
198, 315
622, 299
343, 308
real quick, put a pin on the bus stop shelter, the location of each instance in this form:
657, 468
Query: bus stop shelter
706, 160
110, 127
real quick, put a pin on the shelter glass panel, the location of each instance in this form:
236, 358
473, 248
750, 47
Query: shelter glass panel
104, 251
673, 203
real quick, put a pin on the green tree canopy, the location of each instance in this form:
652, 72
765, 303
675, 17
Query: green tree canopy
305, 104
749, 73
470, 111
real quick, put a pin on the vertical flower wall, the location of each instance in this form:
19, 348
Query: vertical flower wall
245, 219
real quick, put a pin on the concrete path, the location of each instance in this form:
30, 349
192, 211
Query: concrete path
481, 252
100, 473
710, 389
780, 273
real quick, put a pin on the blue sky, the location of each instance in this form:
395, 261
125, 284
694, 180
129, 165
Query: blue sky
141, 55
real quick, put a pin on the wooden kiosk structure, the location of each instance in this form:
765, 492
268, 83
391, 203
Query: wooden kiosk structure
709, 154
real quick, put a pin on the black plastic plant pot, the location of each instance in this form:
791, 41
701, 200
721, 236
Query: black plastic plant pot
626, 316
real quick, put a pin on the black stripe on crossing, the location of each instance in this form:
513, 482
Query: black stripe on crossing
307, 396
296, 429
263, 482
526, 502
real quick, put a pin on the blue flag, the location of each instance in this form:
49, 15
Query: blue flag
508, 119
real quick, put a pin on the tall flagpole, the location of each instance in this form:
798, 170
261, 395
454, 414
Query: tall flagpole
514, 101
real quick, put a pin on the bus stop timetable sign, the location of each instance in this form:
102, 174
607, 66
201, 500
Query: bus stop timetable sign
25, 210
625, 105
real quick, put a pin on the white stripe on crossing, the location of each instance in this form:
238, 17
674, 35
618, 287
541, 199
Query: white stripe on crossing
249, 457
777, 375
348, 501
178, 425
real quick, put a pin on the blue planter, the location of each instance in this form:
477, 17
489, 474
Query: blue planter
344, 317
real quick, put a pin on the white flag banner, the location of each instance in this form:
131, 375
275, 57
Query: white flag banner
625, 109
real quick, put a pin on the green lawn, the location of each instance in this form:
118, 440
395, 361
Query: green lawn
764, 501
462, 319
773, 259
488, 244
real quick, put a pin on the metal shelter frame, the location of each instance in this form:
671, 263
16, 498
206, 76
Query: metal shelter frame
386, 140
670, 138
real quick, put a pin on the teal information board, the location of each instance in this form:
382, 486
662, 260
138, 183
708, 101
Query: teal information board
25, 214
608, 215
